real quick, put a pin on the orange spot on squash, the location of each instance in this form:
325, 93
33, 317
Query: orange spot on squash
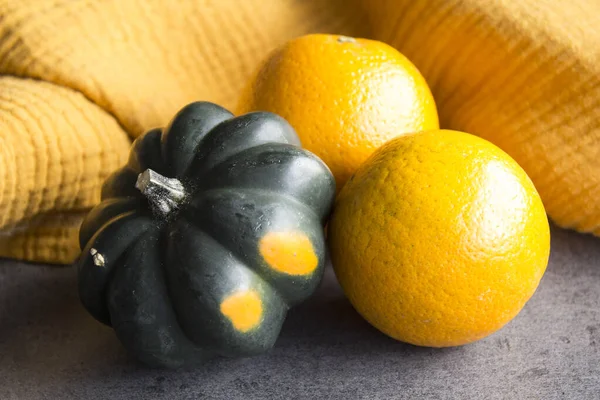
244, 310
289, 252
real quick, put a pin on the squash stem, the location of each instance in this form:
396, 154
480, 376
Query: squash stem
164, 194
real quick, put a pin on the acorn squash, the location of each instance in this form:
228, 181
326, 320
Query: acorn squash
207, 236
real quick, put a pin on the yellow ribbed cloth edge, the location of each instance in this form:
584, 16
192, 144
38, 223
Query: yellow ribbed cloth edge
56, 148
83, 75
522, 74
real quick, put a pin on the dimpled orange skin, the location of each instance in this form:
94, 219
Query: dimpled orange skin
345, 97
439, 239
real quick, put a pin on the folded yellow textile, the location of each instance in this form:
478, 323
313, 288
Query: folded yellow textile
55, 149
82, 77
523, 74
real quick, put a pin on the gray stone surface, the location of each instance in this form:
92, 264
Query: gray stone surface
51, 349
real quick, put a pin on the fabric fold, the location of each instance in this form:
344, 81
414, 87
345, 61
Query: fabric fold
56, 147
524, 75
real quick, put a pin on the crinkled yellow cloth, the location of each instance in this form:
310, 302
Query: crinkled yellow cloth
80, 78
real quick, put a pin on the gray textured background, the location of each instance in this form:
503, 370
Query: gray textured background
50, 348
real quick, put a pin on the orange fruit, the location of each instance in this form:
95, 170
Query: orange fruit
345, 97
439, 239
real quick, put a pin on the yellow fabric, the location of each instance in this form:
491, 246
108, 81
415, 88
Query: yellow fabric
524, 74
80, 77
55, 149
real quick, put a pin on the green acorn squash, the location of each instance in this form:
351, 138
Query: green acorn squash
207, 236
